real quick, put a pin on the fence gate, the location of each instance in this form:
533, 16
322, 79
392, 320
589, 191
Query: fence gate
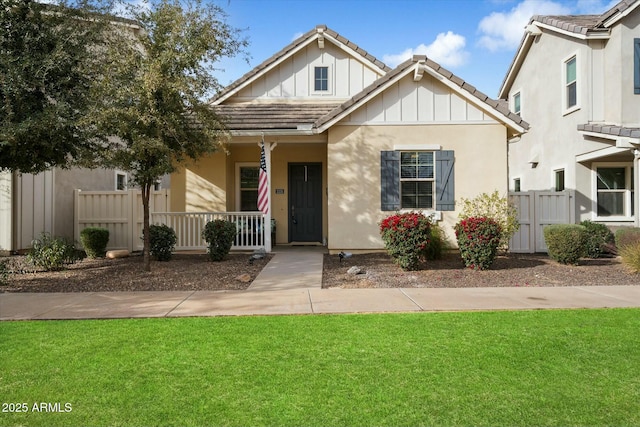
537, 209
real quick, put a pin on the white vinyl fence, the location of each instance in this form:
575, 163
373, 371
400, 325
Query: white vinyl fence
536, 210
120, 212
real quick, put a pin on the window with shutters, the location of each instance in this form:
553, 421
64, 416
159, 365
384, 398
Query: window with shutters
417, 180
417, 176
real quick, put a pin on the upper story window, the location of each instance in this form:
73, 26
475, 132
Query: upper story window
636, 66
571, 83
516, 103
321, 79
516, 185
417, 179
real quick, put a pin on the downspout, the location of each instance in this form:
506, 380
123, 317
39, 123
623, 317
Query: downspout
636, 186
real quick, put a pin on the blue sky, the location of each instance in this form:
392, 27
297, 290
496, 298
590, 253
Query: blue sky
475, 39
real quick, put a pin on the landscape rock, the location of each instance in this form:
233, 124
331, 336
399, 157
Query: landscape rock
244, 278
355, 270
119, 253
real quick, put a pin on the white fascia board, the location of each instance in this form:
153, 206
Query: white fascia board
621, 141
284, 132
604, 152
266, 70
614, 19
595, 36
475, 101
503, 93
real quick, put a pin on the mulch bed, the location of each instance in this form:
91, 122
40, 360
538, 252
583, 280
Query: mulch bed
449, 272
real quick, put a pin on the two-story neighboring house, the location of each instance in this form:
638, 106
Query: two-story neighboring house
349, 141
576, 81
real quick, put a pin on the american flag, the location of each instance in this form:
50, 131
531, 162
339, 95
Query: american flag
263, 185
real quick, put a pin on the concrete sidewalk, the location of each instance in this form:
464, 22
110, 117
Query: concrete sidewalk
291, 284
22, 306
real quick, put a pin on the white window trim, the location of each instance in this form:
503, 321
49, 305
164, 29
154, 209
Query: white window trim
563, 80
594, 191
433, 180
312, 79
126, 180
238, 166
513, 102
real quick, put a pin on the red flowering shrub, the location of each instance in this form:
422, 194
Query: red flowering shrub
406, 238
478, 240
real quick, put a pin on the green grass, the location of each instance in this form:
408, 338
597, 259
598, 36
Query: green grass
578, 367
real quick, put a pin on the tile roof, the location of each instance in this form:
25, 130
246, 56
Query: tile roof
579, 24
611, 129
261, 116
499, 106
291, 47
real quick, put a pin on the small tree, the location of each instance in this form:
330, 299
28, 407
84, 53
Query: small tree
495, 207
50, 56
155, 107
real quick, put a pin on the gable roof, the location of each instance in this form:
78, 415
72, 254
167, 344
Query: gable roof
418, 65
320, 31
577, 26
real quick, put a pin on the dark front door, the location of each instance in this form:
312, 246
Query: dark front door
305, 202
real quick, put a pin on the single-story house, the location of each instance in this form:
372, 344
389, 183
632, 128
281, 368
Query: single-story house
349, 141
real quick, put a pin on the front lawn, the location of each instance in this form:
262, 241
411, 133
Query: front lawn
576, 367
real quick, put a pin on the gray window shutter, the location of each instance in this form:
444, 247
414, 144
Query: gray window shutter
445, 192
390, 180
636, 66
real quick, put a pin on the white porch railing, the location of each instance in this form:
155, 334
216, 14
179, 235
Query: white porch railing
189, 225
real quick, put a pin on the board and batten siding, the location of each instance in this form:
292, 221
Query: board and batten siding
294, 77
426, 101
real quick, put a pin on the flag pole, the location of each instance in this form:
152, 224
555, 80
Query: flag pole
264, 191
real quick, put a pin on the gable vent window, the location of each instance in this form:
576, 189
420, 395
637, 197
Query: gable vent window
636, 66
321, 79
571, 86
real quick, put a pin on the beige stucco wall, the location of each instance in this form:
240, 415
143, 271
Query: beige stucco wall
354, 173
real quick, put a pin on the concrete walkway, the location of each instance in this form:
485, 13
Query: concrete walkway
291, 284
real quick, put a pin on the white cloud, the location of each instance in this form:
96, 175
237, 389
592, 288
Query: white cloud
447, 50
504, 30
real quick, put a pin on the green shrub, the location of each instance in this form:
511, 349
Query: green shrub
478, 241
406, 238
94, 241
437, 243
599, 239
626, 236
219, 235
500, 209
52, 253
162, 241
630, 254
566, 243
4, 272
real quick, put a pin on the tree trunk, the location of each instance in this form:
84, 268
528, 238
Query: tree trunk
146, 256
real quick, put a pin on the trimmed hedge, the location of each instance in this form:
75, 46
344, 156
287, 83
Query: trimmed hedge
566, 243
600, 239
406, 237
219, 235
162, 241
478, 240
94, 241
